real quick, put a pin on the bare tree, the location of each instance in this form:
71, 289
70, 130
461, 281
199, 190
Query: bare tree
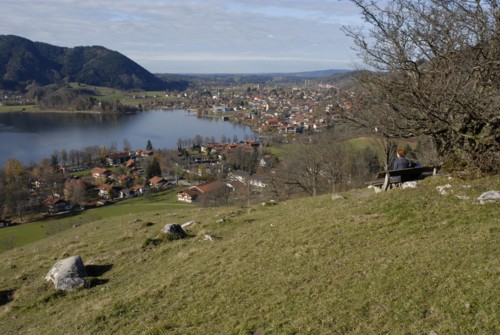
437, 73
113, 147
64, 157
72, 156
126, 145
16, 186
333, 169
198, 140
304, 168
75, 191
220, 195
3, 191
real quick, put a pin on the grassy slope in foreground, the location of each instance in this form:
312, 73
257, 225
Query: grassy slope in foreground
401, 262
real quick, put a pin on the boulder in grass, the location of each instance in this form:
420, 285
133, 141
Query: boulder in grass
174, 231
489, 197
409, 184
67, 274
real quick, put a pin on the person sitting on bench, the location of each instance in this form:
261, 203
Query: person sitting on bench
400, 163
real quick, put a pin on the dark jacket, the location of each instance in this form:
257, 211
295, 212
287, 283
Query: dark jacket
401, 163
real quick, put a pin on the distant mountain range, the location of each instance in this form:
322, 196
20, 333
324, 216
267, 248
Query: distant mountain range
260, 78
303, 74
22, 62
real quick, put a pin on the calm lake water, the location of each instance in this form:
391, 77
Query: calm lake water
29, 137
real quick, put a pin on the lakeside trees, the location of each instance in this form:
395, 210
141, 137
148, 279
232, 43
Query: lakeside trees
438, 66
66, 97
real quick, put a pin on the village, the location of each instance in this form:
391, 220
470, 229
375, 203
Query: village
203, 173
267, 109
201, 170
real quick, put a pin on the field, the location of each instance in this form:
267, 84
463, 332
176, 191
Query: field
103, 94
18, 108
27, 233
407, 261
126, 98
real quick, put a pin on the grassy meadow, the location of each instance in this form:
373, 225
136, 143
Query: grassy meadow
18, 108
20, 235
407, 261
102, 94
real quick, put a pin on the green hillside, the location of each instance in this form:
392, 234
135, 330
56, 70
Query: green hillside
23, 62
408, 261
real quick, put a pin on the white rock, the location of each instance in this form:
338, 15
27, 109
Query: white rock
409, 184
443, 189
67, 274
174, 229
489, 197
207, 237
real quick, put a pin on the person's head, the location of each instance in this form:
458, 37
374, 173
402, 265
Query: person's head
401, 153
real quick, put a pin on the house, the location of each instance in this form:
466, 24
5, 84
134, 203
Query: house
158, 182
144, 153
187, 196
207, 187
238, 175
99, 172
206, 148
110, 192
125, 180
35, 184
138, 189
105, 190
130, 164
196, 192
55, 204
221, 109
259, 181
117, 158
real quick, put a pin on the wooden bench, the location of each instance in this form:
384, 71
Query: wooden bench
384, 179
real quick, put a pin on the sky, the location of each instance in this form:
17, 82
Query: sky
196, 36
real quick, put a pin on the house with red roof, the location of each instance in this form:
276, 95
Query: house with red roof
158, 182
99, 172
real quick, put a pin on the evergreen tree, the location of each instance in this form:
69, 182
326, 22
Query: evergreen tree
54, 159
149, 146
153, 169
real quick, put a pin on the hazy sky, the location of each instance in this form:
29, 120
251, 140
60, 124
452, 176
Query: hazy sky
196, 36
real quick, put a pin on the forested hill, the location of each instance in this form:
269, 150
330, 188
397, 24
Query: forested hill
23, 61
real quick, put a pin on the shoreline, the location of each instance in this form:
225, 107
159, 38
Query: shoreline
61, 112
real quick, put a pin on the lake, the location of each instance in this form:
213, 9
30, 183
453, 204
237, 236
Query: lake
29, 137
